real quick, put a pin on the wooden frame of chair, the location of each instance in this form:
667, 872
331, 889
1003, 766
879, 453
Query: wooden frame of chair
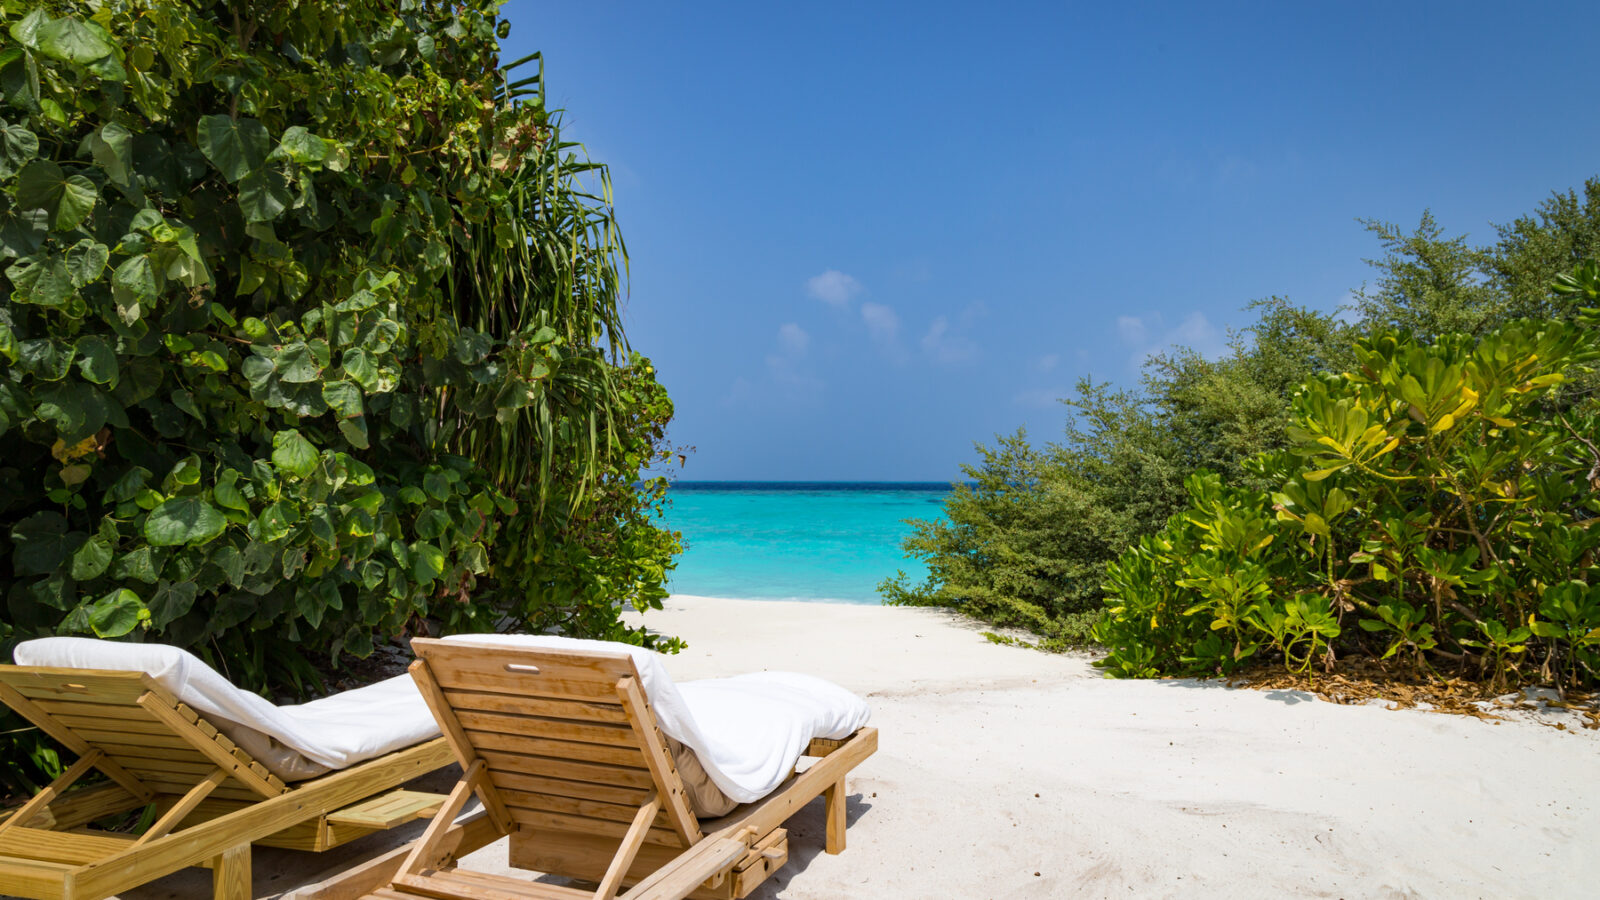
565, 754
214, 800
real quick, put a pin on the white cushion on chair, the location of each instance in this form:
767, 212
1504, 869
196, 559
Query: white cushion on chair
292, 741
747, 731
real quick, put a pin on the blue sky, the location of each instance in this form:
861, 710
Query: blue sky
865, 235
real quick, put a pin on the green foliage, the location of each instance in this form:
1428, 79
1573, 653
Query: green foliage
1439, 495
309, 335
1027, 542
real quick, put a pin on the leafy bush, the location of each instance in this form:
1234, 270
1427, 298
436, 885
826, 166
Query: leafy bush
1432, 504
1027, 543
308, 336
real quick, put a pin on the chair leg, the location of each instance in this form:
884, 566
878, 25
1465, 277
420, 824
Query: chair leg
834, 797
230, 874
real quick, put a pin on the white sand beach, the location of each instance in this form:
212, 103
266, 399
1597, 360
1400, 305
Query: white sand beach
1005, 772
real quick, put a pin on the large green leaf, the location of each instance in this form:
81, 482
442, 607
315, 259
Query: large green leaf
343, 397
427, 562
74, 41
97, 359
117, 613
236, 147
91, 560
41, 280
171, 601
264, 195
292, 453
68, 199
41, 542
86, 260
183, 520
77, 410
301, 146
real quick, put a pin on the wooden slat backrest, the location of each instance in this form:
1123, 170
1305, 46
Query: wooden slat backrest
146, 734
556, 736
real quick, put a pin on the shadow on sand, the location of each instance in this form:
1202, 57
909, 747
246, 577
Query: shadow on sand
1285, 696
807, 832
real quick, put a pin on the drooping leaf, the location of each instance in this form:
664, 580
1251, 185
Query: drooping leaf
134, 286
18, 145
111, 145
236, 147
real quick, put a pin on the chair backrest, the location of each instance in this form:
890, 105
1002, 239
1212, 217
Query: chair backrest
567, 739
153, 745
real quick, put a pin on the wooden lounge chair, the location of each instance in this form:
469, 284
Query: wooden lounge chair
212, 799
566, 756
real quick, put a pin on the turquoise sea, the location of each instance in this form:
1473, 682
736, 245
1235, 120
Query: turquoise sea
796, 540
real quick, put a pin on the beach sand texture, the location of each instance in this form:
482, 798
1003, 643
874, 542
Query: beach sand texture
1004, 772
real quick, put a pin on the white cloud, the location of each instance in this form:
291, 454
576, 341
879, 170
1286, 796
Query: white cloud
833, 287
881, 321
946, 346
1148, 336
787, 366
793, 339
1047, 362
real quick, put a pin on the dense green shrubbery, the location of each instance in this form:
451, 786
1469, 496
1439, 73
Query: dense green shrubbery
309, 335
1439, 496
1028, 544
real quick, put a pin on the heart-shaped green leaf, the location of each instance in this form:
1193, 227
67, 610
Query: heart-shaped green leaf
236, 147
86, 260
117, 613
74, 41
42, 281
292, 453
67, 199
91, 560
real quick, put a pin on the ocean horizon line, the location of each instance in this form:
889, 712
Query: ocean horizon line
804, 485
